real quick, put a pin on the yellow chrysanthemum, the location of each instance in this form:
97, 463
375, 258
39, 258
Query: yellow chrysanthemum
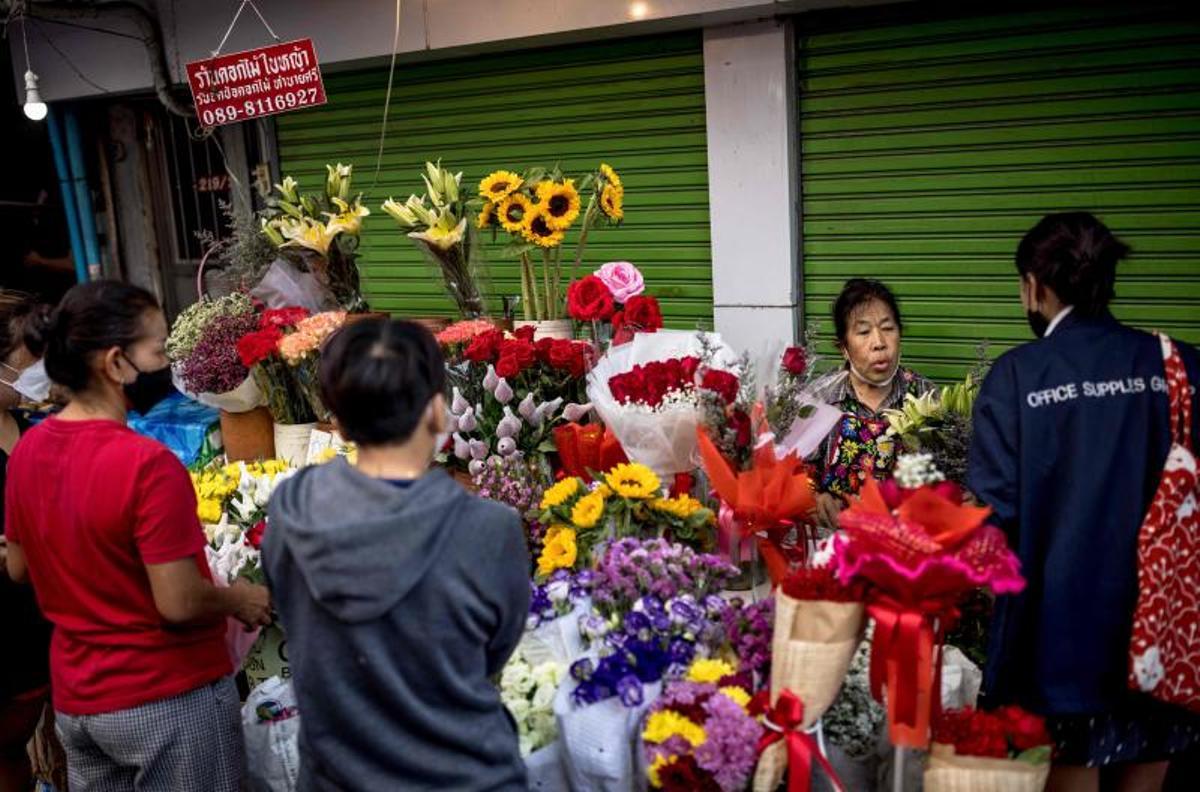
328, 455
487, 216
561, 202
560, 493
209, 511
537, 230
559, 553
512, 212
609, 174
588, 510
633, 481
499, 185
662, 726
683, 506
659, 763
709, 671
612, 201
736, 695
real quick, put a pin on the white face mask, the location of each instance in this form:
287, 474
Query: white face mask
884, 383
33, 383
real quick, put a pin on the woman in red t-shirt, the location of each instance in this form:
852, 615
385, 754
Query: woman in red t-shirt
103, 522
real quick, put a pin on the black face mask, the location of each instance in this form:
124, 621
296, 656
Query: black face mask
149, 388
1038, 323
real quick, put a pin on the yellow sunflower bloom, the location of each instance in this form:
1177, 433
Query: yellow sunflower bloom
737, 695
588, 510
560, 493
633, 481
683, 506
209, 511
662, 726
499, 185
487, 216
537, 230
612, 201
560, 553
609, 174
561, 202
552, 532
512, 212
709, 671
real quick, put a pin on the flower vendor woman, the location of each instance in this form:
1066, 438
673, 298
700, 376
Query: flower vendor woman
868, 329
1069, 468
401, 594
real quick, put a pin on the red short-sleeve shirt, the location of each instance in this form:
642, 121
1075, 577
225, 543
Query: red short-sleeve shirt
91, 503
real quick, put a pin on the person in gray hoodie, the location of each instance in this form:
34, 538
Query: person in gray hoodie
400, 593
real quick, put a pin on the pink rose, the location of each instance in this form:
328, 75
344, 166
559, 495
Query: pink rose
622, 279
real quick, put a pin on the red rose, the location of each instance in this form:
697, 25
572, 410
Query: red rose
254, 537
568, 356
659, 382
523, 351
622, 333
255, 347
722, 383
1026, 730
690, 366
484, 346
282, 317
795, 361
525, 333
741, 425
589, 300
643, 313
628, 387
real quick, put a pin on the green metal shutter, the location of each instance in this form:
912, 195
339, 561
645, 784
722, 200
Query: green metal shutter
636, 104
931, 143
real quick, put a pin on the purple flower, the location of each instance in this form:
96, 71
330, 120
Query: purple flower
214, 365
583, 669
729, 753
629, 688
681, 651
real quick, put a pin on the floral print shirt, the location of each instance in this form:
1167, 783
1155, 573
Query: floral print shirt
858, 444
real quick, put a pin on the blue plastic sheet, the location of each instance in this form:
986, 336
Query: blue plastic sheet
179, 423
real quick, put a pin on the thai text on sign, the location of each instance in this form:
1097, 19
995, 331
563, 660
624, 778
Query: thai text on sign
258, 82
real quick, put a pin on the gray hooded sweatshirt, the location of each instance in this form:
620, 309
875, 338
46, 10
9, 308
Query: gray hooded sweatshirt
399, 603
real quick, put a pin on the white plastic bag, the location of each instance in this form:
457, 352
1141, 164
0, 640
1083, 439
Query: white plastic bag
285, 286
600, 740
545, 770
271, 723
961, 680
557, 640
243, 398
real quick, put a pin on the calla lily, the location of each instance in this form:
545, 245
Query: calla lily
462, 449
509, 426
491, 379
479, 449
504, 392
452, 422
441, 236
458, 402
476, 467
546, 410
575, 412
467, 422
507, 446
527, 407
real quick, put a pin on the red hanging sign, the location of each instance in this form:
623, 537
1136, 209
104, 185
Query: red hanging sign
258, 82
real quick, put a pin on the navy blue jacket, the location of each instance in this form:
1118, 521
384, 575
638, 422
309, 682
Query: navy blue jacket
1071, 433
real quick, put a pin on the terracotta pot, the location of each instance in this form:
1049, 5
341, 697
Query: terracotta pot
248, 436
553, 328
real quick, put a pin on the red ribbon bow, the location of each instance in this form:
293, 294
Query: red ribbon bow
783, 723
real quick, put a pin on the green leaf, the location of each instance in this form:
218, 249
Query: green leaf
547, 446
535, 175
1036, 756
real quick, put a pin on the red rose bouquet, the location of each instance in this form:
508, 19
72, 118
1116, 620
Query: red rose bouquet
1008, 750
613, 295
259, 352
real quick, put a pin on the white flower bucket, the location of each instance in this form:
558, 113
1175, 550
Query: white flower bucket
291, 442
552, 328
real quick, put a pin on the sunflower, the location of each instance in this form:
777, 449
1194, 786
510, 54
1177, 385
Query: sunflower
561, 202
537, 229
512, 212
560, 493
559, 553
499, 185
609, 174
487, 216
612, 201
682, 507
588, 510
633, 481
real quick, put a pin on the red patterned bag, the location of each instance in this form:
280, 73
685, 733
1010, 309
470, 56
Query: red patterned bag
1164, 653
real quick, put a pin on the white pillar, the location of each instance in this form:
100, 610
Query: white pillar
753, 181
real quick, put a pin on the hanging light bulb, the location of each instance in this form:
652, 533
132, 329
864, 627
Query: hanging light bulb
35, 108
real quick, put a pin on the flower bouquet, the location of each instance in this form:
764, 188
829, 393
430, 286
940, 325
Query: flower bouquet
1008, 750
818, 627
613, 296
556, 607
537, 208
323, 228
527, 690
290, 408
648, 392
444, 235
921, 550
301, 350
628, 502
938, 423
202, 348
749, 628
699, 735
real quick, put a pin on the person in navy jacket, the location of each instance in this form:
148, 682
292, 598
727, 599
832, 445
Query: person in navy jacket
1071, 433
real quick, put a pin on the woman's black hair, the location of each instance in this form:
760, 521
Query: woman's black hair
91, 318
18, 313
856, 293
1076, 255
377, 378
